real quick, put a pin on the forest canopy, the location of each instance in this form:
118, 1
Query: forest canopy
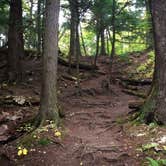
132, 24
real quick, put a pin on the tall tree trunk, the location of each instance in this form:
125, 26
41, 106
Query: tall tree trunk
103, 48
149, 33
39, 25
74, 32
77, 45
97, 48
108, 44
49, 104
43, 23
78, 36
30, 42
15, 41
77, 53
83, 42
113, 37
154, 107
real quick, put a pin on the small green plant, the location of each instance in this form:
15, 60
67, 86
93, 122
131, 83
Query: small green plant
142, 68
153, 162
151, 55
25, 128
44, 141
124, 57
153, 125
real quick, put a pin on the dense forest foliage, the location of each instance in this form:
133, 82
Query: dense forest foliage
132, 24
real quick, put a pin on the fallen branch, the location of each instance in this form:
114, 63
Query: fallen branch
136, 82
69, 77
18, 100
74, 65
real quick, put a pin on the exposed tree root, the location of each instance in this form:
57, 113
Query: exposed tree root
134, 93
130, 87
107, 128
136, 105
93, 149
135, 82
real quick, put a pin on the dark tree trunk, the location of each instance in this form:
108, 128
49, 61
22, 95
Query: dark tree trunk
97, 47
15, 40
113, 37
72, 34
74, 31
30, 40
39, 25
155, 104
49, 104
43, 24
149, 33
108, 44
103, 48
78, 37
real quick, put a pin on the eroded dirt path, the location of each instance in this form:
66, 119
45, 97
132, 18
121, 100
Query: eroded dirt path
94, 135
93, 120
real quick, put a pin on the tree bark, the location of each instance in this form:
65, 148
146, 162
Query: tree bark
74, 32
97, 48
49, 104
39, 25
43, 23
113, 37
149, 33
156, 102
15, 41
103, 48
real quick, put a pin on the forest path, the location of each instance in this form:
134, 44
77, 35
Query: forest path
93, 124
94, 133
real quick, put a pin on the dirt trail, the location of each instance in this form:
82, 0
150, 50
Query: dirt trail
93, 120
94, 135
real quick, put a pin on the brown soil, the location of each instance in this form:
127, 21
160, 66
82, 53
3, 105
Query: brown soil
95, 129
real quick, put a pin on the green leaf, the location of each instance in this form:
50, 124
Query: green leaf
152, 162
162, 162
